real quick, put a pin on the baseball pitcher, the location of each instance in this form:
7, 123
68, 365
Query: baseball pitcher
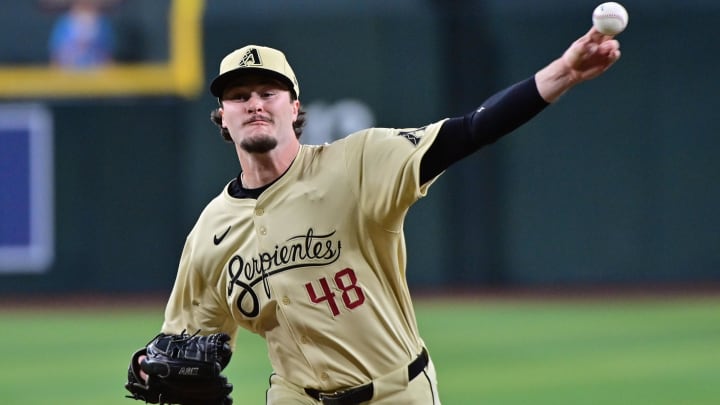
305, 246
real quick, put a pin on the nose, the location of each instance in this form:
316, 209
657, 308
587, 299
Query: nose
254, 103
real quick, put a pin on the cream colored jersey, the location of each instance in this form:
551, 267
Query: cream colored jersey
316, 265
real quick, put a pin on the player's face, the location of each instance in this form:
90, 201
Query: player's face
259, 114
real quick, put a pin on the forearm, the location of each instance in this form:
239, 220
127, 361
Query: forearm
554, 80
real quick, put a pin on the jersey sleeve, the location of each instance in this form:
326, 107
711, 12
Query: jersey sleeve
196, 303
386, 162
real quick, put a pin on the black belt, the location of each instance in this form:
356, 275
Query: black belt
363, 393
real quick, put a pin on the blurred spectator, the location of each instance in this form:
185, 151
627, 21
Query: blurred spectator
82, 37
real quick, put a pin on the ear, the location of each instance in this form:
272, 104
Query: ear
222, 116
296, 109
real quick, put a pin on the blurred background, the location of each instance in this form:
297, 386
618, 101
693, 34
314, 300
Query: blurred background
107, 153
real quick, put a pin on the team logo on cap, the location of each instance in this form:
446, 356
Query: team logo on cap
251, 58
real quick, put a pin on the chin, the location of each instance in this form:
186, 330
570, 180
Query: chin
261, 144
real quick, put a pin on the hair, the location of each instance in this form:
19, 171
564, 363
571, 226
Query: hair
298, 124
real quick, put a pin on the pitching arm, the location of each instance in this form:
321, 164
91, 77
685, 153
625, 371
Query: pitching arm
497, 116
586, 58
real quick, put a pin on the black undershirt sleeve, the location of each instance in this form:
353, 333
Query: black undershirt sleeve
499, 115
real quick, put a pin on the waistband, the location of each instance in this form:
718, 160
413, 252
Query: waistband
363, 393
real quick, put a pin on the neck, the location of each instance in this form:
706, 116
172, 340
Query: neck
259, 169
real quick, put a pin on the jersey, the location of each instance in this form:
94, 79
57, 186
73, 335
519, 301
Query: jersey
316, 264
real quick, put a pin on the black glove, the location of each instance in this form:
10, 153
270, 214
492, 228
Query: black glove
182, 369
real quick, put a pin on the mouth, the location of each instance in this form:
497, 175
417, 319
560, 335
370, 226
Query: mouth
258, 120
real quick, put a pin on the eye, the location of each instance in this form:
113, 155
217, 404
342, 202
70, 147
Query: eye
238, 97
268, 93
236, 94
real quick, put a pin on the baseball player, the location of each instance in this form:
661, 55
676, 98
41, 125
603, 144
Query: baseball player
305, 246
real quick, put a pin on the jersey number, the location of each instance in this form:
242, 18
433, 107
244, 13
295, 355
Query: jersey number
345, 281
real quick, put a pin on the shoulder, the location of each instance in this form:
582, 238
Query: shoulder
403, 138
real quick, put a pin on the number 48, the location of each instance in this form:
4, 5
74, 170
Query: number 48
345, 281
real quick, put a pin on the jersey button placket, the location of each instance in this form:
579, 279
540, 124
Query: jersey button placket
262, 229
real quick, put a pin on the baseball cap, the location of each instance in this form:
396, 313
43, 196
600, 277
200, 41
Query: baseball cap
254, 59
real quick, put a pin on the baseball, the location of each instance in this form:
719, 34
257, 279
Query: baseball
610, 18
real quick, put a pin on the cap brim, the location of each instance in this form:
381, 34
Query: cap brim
218, 85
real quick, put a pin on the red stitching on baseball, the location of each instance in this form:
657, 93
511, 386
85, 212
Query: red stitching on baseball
610, 16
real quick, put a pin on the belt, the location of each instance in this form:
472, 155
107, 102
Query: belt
363, 393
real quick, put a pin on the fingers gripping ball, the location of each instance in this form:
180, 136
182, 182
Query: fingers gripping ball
610, 18
182, 369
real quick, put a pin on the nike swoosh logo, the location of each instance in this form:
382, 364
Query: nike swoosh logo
218, 239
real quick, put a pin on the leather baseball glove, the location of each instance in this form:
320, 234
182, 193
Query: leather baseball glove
182, 369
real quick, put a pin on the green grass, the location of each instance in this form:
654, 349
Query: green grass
633, 352
642, 351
